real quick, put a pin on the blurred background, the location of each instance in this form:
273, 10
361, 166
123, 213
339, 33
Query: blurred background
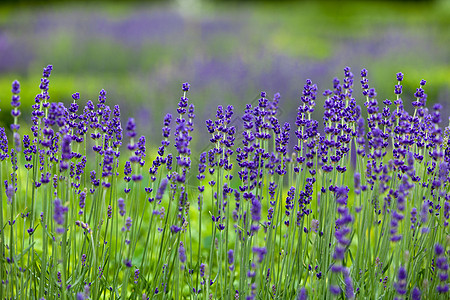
141, 52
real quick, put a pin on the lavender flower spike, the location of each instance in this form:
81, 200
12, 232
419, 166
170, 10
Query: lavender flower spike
303, 295
182, 253
415, 294
230, 256
161, 189
15, 103
400, 285
58, 215
256, 210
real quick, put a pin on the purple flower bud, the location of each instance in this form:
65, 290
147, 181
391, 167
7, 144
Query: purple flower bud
121, 205
230, 256
82, 199
76, 96
260, 252
256, 210
109, 212
175, 229
341, 194
47, 71
363, 73
66, 153
128, 222
438, 249
400, 285
335, 290
441, 289
131, 128
182, 253
102, 96
202, 270
186, 87
161, 189
251, 274
58, 215
349, 291
136, 276
415, 294
3, 144
303, 294
15, 87
128, 263
357, 180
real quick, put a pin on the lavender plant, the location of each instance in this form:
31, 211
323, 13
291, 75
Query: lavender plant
278, 215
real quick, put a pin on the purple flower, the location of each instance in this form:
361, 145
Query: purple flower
9, 190
303, 294
400, 285
335, 290
15, 87
364, 72
398, 89
175, 229
128, 222
136, 276
349, 290
186, 87
3, 144
182, 253
131, 128
47, 71
202, 270
15, 103
102, 96
76, 96
357, 181
256, 210
438, 249
230, 256
341, 194
161, 189
260, 252
66, 153
82, 199
314, 225
109, 212
58, 215
128, 263
121, 205
108, 163
441, 289
442, 266
415, 294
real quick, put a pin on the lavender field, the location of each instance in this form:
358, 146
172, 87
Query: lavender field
275, 172
141, 53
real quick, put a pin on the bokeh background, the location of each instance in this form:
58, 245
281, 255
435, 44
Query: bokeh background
229, 51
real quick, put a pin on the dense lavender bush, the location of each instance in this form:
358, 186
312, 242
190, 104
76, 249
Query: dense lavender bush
249, 218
